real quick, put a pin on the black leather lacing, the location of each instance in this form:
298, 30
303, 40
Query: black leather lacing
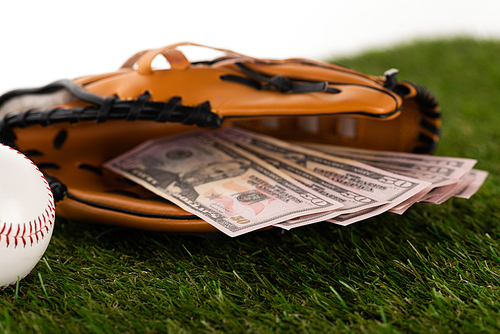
423, 138
109, 108
103, 114
427, 102
429, 126
278, 82
59, 190
139, 109
428, 107
168, 109
137, 106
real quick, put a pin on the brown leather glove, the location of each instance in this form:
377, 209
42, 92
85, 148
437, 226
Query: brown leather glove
70, 127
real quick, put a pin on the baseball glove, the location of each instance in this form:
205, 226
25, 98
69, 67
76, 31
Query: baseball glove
70, 127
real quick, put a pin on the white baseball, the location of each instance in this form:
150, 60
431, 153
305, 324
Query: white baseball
27, 215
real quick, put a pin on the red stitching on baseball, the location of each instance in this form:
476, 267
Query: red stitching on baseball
36, 231
40, 230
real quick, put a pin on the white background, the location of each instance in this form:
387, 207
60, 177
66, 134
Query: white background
42, 41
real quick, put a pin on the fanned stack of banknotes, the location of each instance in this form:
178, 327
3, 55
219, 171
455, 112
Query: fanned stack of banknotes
239, 181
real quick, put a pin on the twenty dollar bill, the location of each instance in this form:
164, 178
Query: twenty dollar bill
232, 190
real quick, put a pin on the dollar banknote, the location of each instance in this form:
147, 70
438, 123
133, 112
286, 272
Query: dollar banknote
440, 171
352, 200
239, 181
232, 190
448, 175
370, 181
477, 179
456, 162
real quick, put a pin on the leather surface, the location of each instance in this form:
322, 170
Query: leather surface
197, 83
74, 153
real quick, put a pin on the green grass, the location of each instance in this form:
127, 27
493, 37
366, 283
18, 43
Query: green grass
436, 269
